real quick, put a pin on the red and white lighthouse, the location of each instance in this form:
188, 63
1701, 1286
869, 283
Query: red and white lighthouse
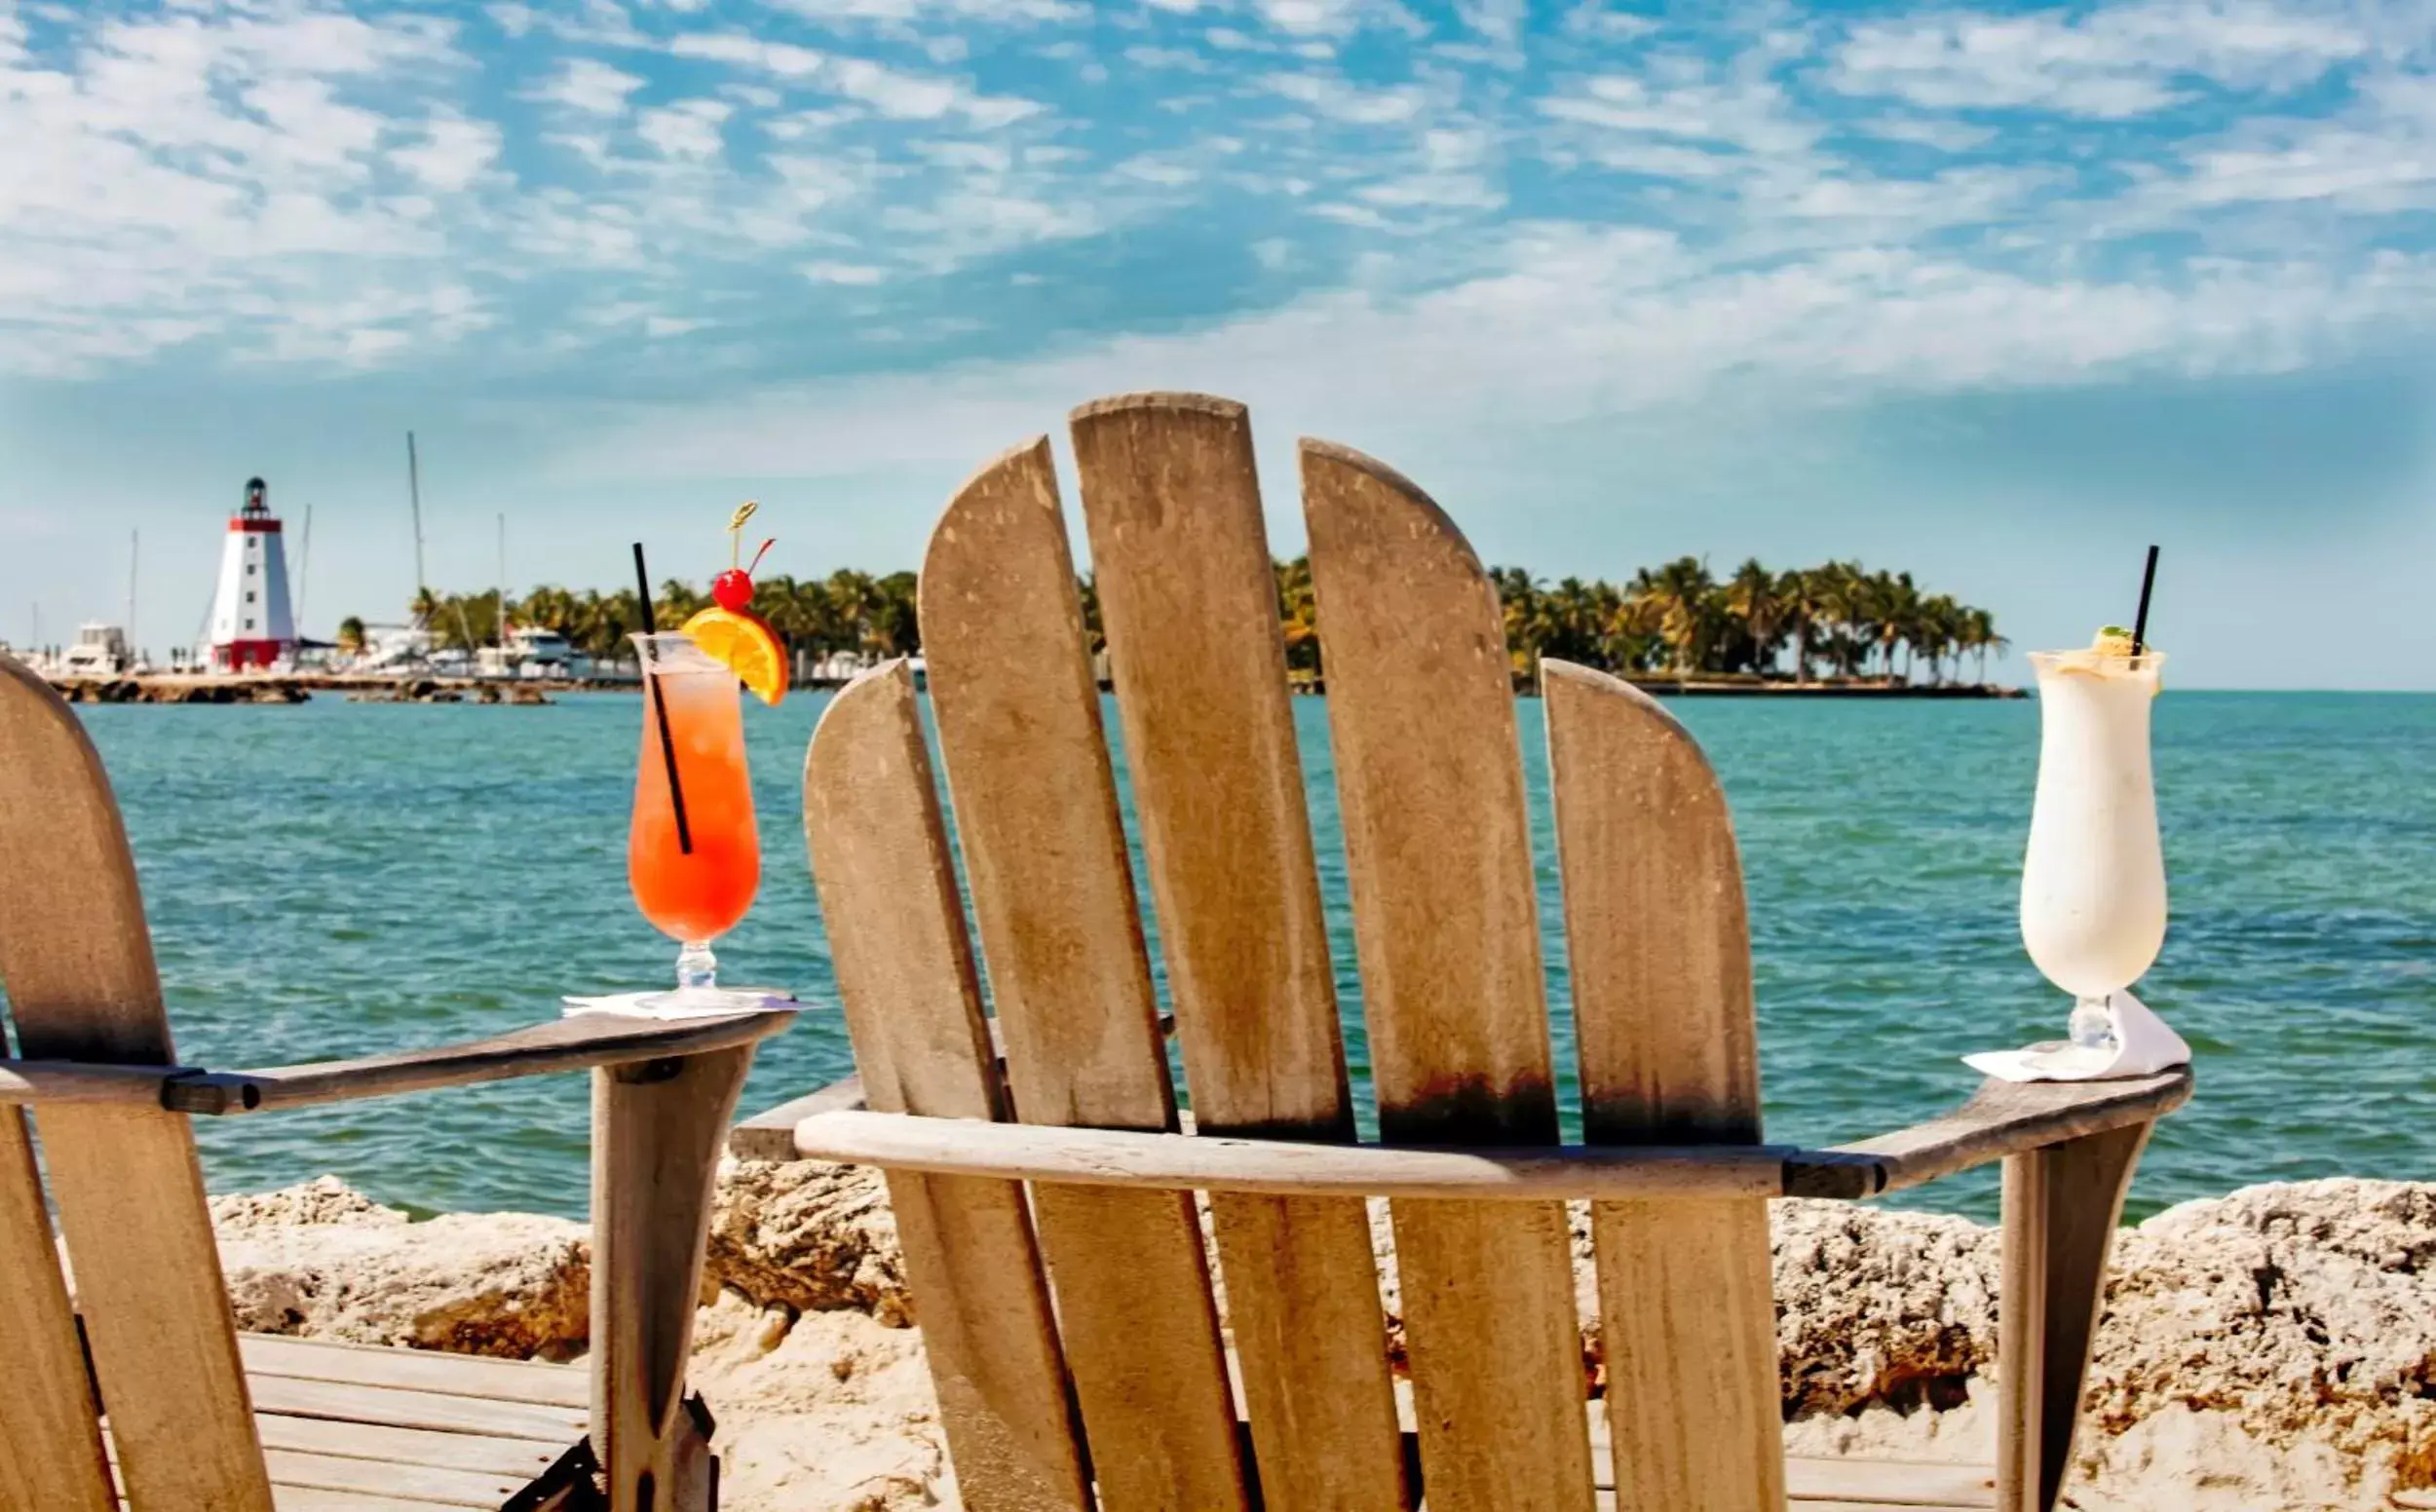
252, 626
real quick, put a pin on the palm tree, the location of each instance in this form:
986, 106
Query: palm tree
1683, 597
351, 635
1980, 632
1751, 597
1298, 615
1802, 595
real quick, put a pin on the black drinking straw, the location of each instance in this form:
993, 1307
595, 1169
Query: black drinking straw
660, 706
2139, 624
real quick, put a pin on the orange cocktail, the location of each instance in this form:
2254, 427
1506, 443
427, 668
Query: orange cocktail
693, 857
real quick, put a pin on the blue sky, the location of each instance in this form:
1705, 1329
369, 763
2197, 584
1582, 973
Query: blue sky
1998, 296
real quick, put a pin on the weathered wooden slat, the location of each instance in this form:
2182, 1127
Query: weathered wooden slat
1187, 598
2062, 1206
422, 1485
574, 1043
2007, 1117
1114, 1157
519, 1460
49, 1443
1660, 955
913, 1008
417, 1369
76, 958
1437, 846
432, 1411
1036, 809
657, 1130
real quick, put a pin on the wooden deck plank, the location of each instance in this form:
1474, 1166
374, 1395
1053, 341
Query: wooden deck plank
387, 1406
417, 1369
316, 1498
913, 1009
1189, 599
406, 1482
1036, 807
1446, 927
519, 1459
1660, 958
76, 957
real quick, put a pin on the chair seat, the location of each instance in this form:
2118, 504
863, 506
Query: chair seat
355, 1429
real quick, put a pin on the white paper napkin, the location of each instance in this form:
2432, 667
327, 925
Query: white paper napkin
2144, 1045
675, 1004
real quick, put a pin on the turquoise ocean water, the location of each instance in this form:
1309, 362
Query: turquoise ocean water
339, 879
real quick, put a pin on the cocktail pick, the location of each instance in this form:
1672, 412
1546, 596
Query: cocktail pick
660, 704
2139, 624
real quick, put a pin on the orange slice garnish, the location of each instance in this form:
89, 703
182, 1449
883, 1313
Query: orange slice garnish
744, 642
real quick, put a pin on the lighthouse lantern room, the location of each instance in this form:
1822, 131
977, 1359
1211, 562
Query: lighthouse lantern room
252, 626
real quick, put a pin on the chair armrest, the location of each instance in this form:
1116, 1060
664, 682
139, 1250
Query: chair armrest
1210, 1162
2003, 1119
562, 1044
2008, 1117
141, 1086
771, 1135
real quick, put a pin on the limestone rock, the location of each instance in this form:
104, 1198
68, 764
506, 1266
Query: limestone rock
2272, 1348
1878, 1306
808, 1235
2303, 1312
323, 1262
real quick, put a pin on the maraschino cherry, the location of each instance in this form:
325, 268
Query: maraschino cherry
733, 589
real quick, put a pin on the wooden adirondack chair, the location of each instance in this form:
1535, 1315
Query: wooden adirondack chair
1100, 1281
193, 1414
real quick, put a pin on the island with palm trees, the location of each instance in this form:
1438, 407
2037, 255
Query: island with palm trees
1838, 628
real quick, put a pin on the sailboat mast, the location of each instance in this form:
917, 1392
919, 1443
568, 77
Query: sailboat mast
502, 615
414, 500
134, 539
304, 566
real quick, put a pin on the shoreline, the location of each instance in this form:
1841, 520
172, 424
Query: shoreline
361, 688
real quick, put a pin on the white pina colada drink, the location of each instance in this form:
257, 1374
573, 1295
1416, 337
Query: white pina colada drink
2093, 884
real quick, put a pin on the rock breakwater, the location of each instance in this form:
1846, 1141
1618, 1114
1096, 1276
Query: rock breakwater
2272, 1348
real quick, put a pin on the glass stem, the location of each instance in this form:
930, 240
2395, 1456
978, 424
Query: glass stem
2093, 1024
695, 965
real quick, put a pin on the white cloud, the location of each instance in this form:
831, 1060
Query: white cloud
1332, 17
855, 273
1755, 115
900, 12
591, 85
1341, 100
1157, 171
453, 152
688, 128
2113, 62
783, 59
1570, 325
228, 174
1943, 135
894, 92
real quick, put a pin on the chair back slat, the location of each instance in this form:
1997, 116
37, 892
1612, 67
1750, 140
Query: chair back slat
1437, 850
1053, 903
1660, 956
1189, 599
51, 1457
913, 1008
77, 961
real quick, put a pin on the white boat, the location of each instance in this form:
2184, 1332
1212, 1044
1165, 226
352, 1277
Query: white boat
100, 651
531, 651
